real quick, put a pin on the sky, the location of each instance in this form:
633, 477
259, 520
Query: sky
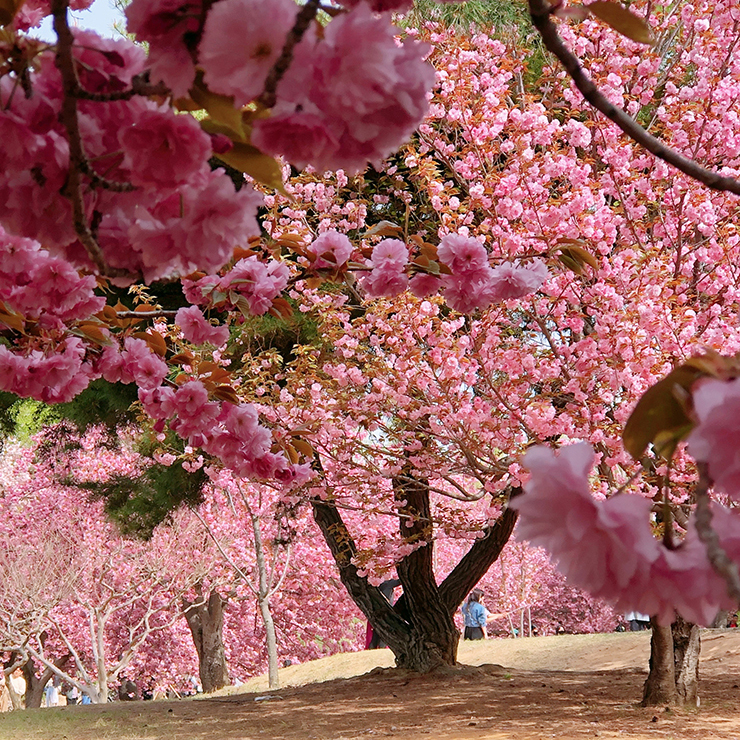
100, 17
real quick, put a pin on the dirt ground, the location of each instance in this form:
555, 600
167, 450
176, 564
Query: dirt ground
578, 686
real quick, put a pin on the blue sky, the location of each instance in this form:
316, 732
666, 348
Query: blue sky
100, 17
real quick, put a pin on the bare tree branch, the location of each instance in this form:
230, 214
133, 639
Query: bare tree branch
541, 13
721, 563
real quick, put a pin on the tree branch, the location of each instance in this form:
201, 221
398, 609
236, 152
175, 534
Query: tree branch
721, 563
302, 21
541, 11
78, 163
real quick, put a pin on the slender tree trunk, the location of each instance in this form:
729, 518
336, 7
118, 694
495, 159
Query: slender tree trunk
686, 650
264, 602
206, 622
660, 686
272, 655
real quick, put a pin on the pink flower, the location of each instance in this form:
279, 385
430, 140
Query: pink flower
462, 254
216, 215
423, 285
162, 149
242, 39
332, 249
716, 438
301, 137
388, 277
607, 547
196, 329
389, 280
390, 252
512, 281
147, 370
369, 91
466, 291
164, 24
259, 282
159, 403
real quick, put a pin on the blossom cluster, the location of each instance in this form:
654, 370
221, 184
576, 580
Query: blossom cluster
350, 96
608, 546
175, 203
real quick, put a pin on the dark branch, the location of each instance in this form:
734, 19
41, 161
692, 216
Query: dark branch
719, 559
78, 163
541, 12
476, 562
302, 21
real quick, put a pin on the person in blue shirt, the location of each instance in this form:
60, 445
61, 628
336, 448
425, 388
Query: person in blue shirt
475, 616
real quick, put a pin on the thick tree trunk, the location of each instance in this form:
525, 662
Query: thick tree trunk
432, 638
420, 628
206, 623
35, 684
660, 686
686, 650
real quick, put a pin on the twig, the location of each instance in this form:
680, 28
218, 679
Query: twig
158, 314
719, 559
140, 85
540, 12
302, 21
78, 163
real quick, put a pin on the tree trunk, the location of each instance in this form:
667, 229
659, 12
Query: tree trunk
264, 602
674, 665
35, 684
660, 686
420, 628
686, 650
206, 623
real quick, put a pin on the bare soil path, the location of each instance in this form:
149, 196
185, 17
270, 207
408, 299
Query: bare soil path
571, 686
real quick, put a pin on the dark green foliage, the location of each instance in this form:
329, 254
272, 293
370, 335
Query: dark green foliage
101, 403
482, 15
23, 417
138, 505
263, 333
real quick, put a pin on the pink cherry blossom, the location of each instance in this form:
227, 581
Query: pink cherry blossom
241, 41
198, 330
332, 249
369, 90
462, 254
608, 547
259, 282
715, 438
164, 150
510, 281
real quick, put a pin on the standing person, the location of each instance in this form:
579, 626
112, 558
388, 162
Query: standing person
5, 704
637, 621
51, 694
475, 616
128, 691
73, 695
372, 640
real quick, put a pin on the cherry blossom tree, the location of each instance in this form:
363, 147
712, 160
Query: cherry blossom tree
518, 178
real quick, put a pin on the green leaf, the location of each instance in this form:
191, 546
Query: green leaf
250, 160
220, 108
622, 20
8, 10
574, 256
660, 417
